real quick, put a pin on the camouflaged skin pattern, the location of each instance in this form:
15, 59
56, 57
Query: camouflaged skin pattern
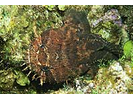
67, 52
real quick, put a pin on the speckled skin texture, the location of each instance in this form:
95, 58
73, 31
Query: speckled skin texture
67, 52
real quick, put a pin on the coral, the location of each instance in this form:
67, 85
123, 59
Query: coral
108, 23
114, 79
60, 54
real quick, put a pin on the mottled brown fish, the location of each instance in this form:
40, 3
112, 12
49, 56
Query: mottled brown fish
69, 51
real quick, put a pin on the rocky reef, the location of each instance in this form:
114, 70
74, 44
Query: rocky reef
21, 25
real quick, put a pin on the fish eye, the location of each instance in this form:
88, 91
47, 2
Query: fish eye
42, 46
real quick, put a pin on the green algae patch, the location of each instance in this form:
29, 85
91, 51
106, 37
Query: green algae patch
128, 50
22, 79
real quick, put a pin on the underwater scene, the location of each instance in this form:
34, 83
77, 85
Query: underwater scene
66, 49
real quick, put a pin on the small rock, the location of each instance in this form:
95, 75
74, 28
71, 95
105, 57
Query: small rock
116, 67
91, 85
